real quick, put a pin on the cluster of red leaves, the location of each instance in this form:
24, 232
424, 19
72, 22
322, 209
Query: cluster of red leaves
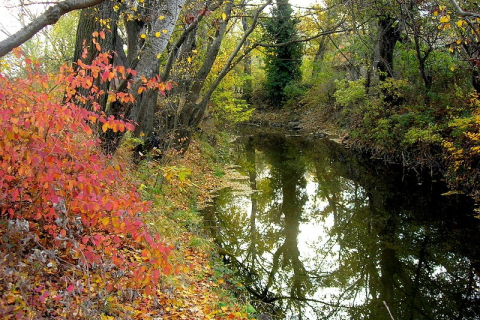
72, 237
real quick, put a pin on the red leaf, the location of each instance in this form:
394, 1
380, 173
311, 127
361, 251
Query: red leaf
109, 206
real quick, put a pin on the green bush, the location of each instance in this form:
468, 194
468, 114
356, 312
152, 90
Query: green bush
418, 135
350, 93
226, 108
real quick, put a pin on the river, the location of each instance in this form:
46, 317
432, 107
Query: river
317, 232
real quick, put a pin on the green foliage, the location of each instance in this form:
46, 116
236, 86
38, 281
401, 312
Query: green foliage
282, 63
389, 127
226, 108
218, 172
395, 89
444, 68
293, 92
54, 45
350, 93
322, 87
62, 41
420, 135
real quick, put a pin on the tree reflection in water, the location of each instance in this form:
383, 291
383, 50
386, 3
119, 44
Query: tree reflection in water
325, 235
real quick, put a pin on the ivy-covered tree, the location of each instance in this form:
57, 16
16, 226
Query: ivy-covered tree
284, 57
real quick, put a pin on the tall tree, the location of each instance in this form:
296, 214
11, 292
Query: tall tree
191, 97
247, 63
467, 29
149, 25
282, 62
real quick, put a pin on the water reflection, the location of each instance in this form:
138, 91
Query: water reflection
323, 235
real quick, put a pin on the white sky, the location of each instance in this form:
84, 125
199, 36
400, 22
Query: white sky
11, 14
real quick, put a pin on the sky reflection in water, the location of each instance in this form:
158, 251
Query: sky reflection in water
326, 235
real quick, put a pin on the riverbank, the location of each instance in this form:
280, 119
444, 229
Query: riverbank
178, 189
448, 150
300, 119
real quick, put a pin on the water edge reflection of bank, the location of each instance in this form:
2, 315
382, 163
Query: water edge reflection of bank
324, 234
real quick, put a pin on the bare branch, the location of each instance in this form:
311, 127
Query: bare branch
305, 39
173, 54
230, 62
49, 17
462, 12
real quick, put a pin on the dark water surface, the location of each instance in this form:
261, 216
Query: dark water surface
326, 235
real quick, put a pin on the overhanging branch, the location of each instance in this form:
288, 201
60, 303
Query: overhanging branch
49, 17
462, 12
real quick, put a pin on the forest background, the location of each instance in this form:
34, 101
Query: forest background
398, 80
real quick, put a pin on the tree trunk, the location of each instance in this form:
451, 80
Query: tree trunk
148, 65
389, 34
247, 62
476, 79
319, 55
148, 36
88, 23
194, 107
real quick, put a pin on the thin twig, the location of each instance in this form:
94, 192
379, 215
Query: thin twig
388, 309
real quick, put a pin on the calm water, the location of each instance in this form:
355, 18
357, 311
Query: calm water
325, 235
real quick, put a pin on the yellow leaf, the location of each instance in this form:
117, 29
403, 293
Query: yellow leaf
115, 222
445, 19
11, 298
105, 221
224, 16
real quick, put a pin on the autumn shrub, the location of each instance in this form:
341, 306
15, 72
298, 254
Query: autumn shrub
462, 148
350, 93
226, 108
73, 243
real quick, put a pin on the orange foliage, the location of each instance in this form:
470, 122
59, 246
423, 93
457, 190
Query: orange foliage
66, 215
